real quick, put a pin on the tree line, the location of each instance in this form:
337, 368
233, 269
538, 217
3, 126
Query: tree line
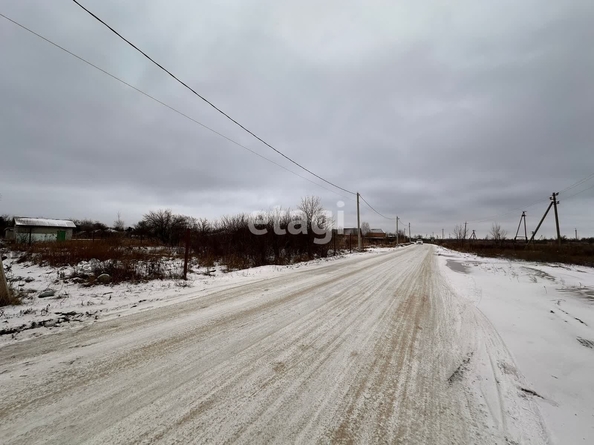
278, 236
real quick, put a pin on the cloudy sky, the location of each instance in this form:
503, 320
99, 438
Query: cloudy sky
437, 111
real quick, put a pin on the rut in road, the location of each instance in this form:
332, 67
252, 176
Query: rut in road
360, 351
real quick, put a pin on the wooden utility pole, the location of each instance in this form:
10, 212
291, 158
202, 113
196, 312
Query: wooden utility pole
397, 230
358, 224
187, 254
465, 230
555, 202
409, 232
4, 293
473, 236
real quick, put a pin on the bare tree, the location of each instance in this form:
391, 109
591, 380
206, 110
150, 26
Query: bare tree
5, 222
165, 226
460, 232
365, 229
312, 208
317, 222
118, 224
497, 233
203, 226
141, 229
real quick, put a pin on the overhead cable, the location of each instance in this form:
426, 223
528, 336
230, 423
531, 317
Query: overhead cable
208, 101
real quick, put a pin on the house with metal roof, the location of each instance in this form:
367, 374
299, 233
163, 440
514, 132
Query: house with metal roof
376, 233
31, 230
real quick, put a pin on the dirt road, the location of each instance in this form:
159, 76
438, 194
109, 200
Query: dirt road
371, 349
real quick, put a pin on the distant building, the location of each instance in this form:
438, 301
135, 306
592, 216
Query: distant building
349, 231
376, 233
31, 230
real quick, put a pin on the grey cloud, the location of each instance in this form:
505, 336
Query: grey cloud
436, 113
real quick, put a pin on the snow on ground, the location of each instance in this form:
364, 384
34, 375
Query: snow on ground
73, 305
544, 314
373, 349
512, 339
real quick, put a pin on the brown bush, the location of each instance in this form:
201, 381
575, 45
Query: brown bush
122, 259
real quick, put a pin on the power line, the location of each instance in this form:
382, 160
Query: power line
511, 211
369, 205
581, 181
167, 106
582, 191
576, 184
207, 101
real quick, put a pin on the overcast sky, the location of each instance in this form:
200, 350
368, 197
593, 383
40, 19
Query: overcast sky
437, 111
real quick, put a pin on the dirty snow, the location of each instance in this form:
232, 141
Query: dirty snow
413, 345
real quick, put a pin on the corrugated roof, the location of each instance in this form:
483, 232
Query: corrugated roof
44, 222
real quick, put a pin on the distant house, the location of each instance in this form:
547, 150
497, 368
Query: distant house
376, 234
31, 230
349, 231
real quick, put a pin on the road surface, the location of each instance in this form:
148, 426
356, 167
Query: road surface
368, 349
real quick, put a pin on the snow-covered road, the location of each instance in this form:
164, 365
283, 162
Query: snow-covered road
370, 349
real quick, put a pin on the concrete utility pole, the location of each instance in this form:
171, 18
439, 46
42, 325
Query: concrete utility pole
442, 234
465, 230
576, 237
397, 231
409, 232
540, 223
523, 217
4, 295
358, 224
555, 202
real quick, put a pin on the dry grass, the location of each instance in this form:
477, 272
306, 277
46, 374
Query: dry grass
123, 260
14, 298
71, 253
580, 253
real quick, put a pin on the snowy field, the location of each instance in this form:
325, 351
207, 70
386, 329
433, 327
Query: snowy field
545, 316
413, 345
